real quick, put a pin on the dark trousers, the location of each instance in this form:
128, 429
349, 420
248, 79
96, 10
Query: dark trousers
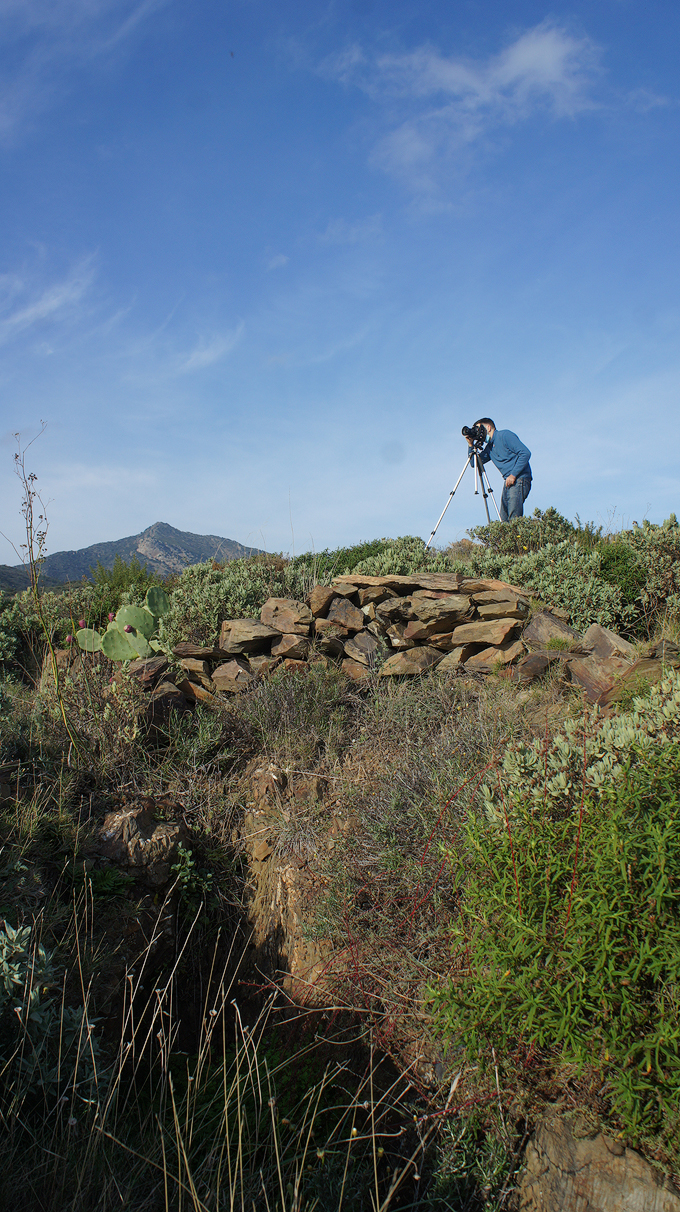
512, 499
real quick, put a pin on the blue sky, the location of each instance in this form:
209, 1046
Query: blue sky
260, 261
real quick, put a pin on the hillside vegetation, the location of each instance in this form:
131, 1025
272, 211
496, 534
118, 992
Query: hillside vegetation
494, 873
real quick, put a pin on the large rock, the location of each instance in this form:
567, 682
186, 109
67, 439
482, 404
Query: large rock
457, 658
362, 648
133, 838
486, 597
594, 1174
491, 658
416, 660
149, 670
597, 675
484, 633
603, 643
186, 649
444, 611
509, 608
395, 634
246, 635
193, 665
394, 610
292, 647
195, 692
232, 677
287, 616
448, 581
545, 627
320, 599
355, 669
342, 611
375, 594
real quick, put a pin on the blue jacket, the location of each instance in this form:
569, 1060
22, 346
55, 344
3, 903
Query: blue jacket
508, 454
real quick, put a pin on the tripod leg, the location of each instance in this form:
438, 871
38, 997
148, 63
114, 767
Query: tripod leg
491, 492
479, 468
451, 496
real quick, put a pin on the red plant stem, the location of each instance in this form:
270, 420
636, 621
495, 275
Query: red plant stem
578, 836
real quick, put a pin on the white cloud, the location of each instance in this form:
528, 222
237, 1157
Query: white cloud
437, 104
48, 38
25, 306
278, 262
209, 351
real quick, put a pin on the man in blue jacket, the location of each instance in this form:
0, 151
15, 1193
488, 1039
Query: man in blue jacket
511, 457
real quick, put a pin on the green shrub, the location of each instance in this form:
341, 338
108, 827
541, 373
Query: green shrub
524, 534
46, 1047
568, 937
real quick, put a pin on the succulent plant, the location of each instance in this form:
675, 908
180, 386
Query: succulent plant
131, 632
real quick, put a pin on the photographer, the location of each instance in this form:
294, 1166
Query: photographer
511, 457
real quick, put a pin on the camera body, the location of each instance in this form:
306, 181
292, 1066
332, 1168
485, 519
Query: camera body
476, 434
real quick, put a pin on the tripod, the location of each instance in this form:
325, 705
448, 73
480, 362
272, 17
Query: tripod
480, 478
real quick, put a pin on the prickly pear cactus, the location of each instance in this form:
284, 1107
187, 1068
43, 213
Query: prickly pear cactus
134, 631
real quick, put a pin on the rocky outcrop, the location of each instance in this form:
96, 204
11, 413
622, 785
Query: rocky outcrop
134, 840
589, 1174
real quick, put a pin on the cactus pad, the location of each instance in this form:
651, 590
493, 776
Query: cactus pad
117, 647
89, 639
136, 616
157, 601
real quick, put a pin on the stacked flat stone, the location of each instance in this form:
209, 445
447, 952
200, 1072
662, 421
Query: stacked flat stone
422, 621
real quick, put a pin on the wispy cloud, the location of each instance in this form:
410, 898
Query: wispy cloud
24, 306
278, 262
45, 40
435, 104
211, 350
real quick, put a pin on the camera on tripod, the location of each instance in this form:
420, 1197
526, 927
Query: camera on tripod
476, 433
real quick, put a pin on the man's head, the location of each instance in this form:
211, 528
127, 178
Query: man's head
488, 425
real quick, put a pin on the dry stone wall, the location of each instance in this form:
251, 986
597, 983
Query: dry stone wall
400, 626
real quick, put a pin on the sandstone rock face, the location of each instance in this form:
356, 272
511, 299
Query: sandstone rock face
194, 665
484, 633
195, 692
603, 643
362, 648
444, 610
247, 635
490, 658
149, 670
287, 616
355, 670
456, 658
320, 599
397, 637
544, 627
232, 676
294, 647
394, 610
597, 675
262, 664
376, 594
532, 666
185, 649
416, 660
511, 608
596, 1174
448, 581
342, 611
133, 838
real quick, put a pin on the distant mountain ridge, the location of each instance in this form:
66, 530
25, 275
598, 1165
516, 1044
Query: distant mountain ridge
160, 547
